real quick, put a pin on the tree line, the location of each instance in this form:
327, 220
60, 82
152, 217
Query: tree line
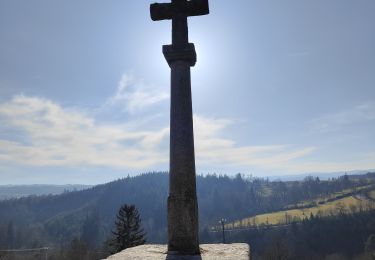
88, 217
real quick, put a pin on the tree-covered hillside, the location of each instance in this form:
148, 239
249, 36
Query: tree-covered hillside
90, 214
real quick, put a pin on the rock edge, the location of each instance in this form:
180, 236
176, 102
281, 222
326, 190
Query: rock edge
236, 251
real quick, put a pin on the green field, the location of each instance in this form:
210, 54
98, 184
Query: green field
346, 204
330, 197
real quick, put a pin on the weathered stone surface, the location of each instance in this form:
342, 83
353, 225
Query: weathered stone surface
182, 200
208, 252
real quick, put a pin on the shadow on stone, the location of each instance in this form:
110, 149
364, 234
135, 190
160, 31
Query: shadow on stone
183, 257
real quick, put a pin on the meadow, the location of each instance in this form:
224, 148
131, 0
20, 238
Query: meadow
343, 202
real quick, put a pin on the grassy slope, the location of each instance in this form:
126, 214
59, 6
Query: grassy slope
324, 206
329, 197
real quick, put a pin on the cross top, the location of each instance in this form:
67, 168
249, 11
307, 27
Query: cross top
167, 11
178, 11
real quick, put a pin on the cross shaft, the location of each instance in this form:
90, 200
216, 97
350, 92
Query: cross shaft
180, 55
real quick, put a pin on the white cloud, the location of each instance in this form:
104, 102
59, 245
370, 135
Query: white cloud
135, 95
212, 149
53, 135
43, 133
333, 122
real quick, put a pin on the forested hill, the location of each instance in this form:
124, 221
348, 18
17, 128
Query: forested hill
89, 214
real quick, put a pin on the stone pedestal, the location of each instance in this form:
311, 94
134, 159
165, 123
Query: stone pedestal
208, 252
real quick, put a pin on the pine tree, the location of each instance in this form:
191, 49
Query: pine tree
128, 231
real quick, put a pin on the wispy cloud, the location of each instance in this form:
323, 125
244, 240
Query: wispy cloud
49, 134
52, 135
37, 131
134, 95
333, 122
214, 149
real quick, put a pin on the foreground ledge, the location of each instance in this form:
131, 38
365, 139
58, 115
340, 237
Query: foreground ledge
235, 251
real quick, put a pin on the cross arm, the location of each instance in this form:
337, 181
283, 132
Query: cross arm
167, 11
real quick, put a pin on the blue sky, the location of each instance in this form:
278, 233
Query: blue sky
279, 88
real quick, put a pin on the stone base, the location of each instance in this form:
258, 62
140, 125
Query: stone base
208, 252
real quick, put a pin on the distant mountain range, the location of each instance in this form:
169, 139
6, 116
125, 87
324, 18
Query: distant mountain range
18, 191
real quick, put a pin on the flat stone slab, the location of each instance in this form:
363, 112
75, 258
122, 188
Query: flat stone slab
237, 251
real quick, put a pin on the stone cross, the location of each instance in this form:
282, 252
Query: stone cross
180, 55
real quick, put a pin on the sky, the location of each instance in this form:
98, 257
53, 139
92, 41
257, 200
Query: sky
279, 88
